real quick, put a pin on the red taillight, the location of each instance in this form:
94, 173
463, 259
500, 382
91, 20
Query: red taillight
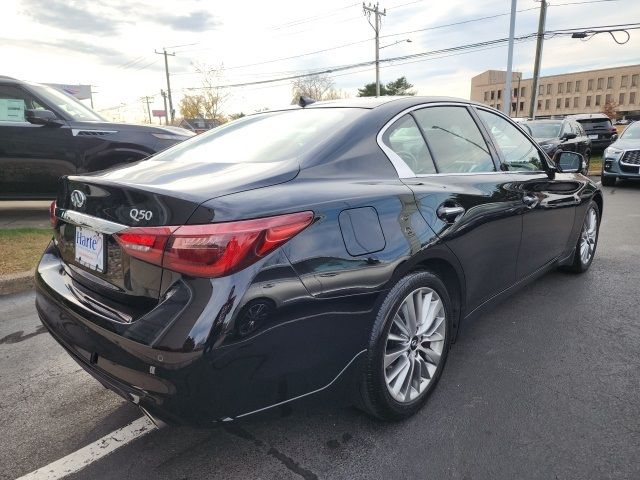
145, 243
52, 214
212, 250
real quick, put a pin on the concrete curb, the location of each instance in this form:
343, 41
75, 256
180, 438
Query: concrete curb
17, 282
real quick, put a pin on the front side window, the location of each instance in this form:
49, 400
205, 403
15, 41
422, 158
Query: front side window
14, 103
406, 141
72, 107
518, 152
455, 140
632, 132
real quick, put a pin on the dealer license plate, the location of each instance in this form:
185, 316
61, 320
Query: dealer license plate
593, 137
90, 248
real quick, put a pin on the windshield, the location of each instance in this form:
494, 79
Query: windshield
597, 123
74, 108
632, 132
544, 130
267, 137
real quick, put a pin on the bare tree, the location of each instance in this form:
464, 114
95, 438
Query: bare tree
208, 100
318, 87
610, 109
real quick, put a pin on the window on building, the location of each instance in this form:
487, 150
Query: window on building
607, 98
600, 83
486, 96
521, 106
567, 102
634, 80
539, 104
541, 90
624, 81
493, 94
558, 102
547, 104
590, 84
609, 82
549, 89
522, 90
515, 92
499, 94
588, 101
498, 107
569, 87
561, 88
632, 98
578, 85
621, 99
598, 97
576, 102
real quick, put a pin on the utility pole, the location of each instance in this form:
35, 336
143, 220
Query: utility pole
536, 65
166, 69
368, 10
147, 100
508, 93
164, 98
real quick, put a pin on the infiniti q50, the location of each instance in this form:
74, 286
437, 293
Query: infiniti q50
334, 248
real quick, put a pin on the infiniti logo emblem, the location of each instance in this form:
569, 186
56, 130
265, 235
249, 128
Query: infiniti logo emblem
78, 198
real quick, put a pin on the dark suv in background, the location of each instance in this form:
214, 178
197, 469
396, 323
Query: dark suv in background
45, 134
598, 127
560, 136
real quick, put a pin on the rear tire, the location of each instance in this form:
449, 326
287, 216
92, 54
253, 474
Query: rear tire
585, 249
407, 347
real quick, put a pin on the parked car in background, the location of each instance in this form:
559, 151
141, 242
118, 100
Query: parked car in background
334, 248
623, 121
560, 136
598, 128
622, 158
45, 134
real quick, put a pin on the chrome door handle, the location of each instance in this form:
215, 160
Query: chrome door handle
530, 200
449, 214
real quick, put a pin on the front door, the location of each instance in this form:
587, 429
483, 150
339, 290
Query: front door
548, 202
461, 194
32, 157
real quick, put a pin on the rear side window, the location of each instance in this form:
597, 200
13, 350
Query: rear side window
263, 138
454, 139
518, 151
406, 141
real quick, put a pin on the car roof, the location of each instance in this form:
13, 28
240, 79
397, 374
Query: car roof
7, 79
548, 120
587, 116
374, 102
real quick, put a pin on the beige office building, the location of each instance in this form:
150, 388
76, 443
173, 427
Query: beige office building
564, 94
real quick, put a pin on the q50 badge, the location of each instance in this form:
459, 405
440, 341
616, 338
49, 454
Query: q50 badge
139, 215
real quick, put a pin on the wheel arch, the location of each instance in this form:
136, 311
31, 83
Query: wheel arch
597, 197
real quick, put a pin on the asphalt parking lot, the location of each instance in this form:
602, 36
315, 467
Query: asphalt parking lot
545, 386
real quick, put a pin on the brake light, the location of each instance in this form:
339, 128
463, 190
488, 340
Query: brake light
212, 250
52, 215
145, 243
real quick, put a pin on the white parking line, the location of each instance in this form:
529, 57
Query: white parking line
82, 458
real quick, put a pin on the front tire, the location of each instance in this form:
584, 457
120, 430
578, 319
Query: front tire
588, 240
408, 347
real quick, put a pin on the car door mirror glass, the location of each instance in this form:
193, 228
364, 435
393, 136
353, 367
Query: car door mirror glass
42, 117
569, 162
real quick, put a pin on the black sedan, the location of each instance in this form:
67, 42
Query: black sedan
560, 136
331, 249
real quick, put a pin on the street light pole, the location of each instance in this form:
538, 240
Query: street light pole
507, 96
166, 69
368, 10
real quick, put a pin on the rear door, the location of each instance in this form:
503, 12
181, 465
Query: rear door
461, 194
32, 157
549, 202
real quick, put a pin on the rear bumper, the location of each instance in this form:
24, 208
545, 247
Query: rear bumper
208, 364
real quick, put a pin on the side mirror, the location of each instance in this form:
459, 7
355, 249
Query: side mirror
569, 162
569, 136
43, 117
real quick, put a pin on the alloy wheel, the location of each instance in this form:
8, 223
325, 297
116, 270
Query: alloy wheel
414, 345
589, 236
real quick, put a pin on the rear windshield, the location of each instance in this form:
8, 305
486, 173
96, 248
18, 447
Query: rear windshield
543, 130
596, 123
632, 132
267, 137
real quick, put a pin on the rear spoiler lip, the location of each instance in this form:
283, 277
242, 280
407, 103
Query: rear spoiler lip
95, 223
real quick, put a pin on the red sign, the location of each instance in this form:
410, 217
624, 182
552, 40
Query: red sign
159, 113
